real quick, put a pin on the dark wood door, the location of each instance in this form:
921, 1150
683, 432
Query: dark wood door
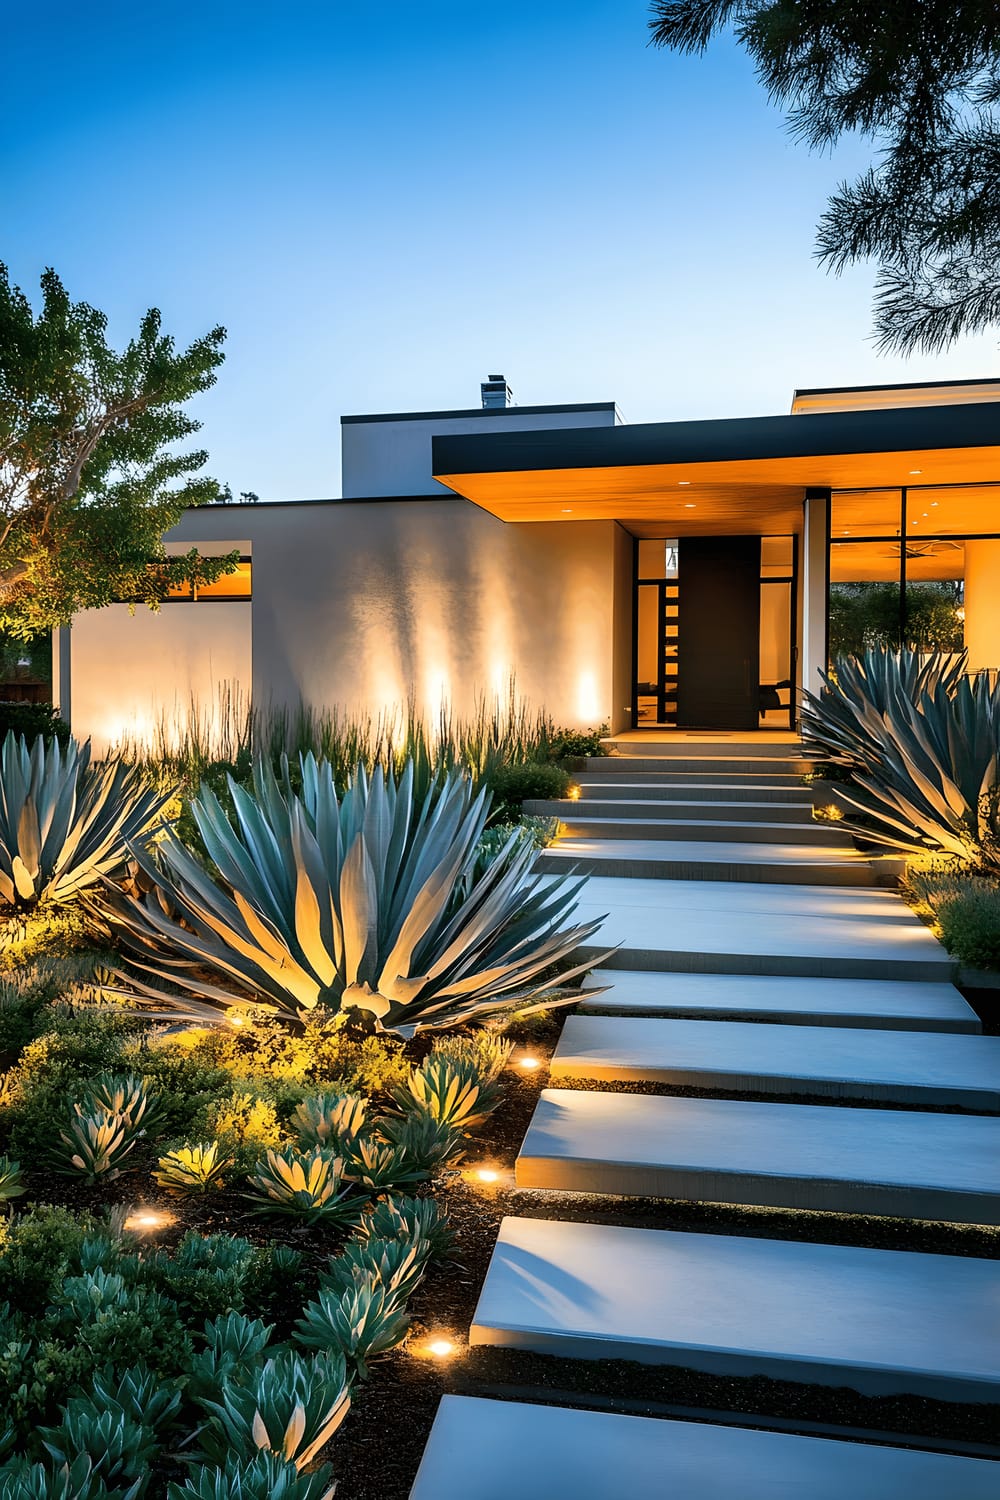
718, 635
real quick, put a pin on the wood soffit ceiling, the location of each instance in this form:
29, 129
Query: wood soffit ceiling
763, 494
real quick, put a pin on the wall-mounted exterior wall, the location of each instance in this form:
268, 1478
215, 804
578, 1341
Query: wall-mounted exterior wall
358, 605
131, 674
385, 456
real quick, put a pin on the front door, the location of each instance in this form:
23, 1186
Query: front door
718, 634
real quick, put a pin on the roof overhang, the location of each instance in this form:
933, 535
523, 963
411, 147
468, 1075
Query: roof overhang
746, 473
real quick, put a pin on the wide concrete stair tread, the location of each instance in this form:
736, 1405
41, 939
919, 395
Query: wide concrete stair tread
714, 768
928, 1069
896, 1162
654, 788
674, 810
759, 928
580, 823
784, 864
481, 1449
884, 1004
882, 1322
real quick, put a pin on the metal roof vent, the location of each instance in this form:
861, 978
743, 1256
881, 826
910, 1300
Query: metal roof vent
496, 393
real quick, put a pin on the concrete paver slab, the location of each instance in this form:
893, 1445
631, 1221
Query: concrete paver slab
883, 1004
899, 1162
490, 1450
879, 1321
785, 864
930, 1069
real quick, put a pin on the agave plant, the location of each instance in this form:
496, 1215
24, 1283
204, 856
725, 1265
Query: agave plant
141, 1394
362, 1321
861, 690
377, 1165
397, 1264
98, 1142
193, 1169
408, 1219
78, 1480
330, 1119
423, 1140
234, 1346
65, 826
451, 1090
124, 1094
304, 1184
265, 1477
291, 1406
925, 765
11, 1180
359, 904
119, 1448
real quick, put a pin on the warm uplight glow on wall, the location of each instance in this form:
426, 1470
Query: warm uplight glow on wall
588, 702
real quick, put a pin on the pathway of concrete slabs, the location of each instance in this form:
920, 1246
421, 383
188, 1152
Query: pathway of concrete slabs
896, 1162
693, 926
930, 1070
882, 1322
883, 1004
493, 1450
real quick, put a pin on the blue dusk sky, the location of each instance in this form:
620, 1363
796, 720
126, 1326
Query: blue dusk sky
385, 202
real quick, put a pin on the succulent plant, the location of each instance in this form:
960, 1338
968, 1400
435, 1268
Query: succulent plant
425, 1141
408, 1219
119, 1448
357, 904
64, 825
922, 746
452, 1090
292, 1405
193, 1169
11, 1180
127, 1095
330, 1119
362, 1321
378, 1165
396, 1264
141, 1394
66, 1481
304, 1184
234, 1346
265, 1477
98, 1142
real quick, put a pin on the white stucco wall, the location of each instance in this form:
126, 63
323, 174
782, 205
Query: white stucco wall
357, 605
130, 674
392, 455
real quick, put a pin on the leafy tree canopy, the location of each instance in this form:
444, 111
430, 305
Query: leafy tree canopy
922, 79
88, 481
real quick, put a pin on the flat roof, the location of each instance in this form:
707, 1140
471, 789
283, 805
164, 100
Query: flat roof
481, 411
758, 466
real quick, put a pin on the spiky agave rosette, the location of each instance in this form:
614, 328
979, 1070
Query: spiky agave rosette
365, 903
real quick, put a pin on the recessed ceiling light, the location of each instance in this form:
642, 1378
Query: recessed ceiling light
916, 471
567, 511
683, 481
689, 505
847, 533
935, 502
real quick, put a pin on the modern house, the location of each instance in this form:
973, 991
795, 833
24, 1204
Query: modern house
674, 574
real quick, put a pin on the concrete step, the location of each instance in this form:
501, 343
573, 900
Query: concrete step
563, 1453
715, 927
883, 1322
884, 1005
768, 768
647, 787
770, 864
671, 744
928, 1069
674, 809
855, 1161
581, 823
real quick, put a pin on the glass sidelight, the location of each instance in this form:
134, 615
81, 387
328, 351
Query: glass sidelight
657, 599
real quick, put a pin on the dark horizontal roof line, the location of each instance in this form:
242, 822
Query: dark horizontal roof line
331, 500
893, 385
493, 412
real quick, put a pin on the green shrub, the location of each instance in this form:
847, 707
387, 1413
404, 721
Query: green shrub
31, 720
11, 1180
967, 911
208, 1275
41, 1247
514, 784
575, 744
